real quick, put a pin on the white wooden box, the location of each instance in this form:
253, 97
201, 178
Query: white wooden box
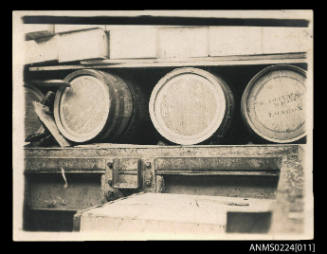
83, 45
132, 43
234, 40
41, 51
167, 213
286, 39
183, 42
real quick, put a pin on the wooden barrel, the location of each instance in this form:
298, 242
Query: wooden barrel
273, 103
32, 122
190, 106
98, 106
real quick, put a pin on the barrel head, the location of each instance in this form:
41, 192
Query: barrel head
273, 104
188, 105
81, 110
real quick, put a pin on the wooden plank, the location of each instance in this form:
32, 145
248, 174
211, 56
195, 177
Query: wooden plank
49, 192
206, 61
152, 151
70, 164
217, 163
133, 43
217, 173
81, 45
178, 42
49, 123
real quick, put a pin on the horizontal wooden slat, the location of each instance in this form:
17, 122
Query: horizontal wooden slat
150, 151
217, 173
217, 163
69, 164
205, 61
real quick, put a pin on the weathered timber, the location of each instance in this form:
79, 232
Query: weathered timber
266, 59
153, 151
217, 163
126, 173
185, 213
43, 114
42, 135
50, 191
31, 120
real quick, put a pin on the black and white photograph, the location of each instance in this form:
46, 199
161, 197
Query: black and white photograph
162, 125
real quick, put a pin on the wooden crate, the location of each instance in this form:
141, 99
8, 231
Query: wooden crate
128, 43
238, 40
41, 50
285, 39
182, 42
82, 45
167, 213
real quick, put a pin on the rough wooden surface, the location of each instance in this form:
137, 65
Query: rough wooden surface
49, 123
31, 120
289, 213
175, 213
178, 62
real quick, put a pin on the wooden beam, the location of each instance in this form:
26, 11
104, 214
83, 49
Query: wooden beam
197, 61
